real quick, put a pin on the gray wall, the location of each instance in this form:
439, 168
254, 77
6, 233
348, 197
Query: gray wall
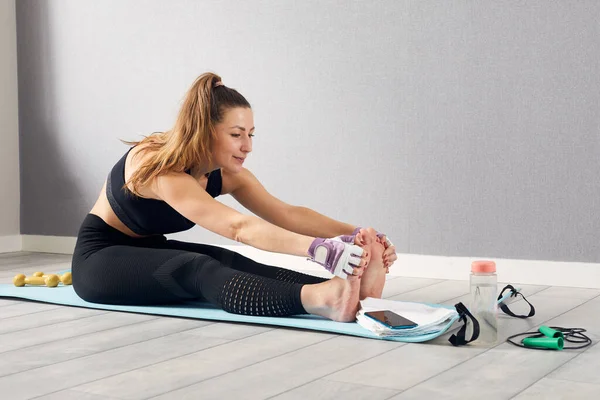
465, 128
9, 129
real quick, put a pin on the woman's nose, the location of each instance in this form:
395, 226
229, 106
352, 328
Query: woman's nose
247, 145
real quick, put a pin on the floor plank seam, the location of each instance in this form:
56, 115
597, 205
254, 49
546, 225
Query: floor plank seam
170, 359
341, 369
26, 265
245, 366
574, 381
595, 297
545, 376
102, 351
8, 304
414, 290
29, 313
129, 370
104, 397
77, 336
52, 323
100, 312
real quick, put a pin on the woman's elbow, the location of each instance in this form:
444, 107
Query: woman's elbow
238, 229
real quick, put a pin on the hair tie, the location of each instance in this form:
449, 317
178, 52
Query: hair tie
220, 83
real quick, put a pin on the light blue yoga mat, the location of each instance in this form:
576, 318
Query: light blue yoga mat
65, 295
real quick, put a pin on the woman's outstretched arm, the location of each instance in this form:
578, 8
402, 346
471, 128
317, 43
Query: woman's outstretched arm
306, 221
250, 193
186, 196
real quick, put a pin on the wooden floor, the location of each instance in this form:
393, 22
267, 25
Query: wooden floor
55, 352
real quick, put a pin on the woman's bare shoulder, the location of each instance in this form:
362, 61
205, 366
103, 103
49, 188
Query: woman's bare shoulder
232, 181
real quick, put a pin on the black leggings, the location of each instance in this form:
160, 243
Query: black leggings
110, 267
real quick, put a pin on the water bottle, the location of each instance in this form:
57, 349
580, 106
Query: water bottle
484, 306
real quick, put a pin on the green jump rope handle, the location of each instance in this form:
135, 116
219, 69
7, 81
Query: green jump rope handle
549, 332
552, 339
545, 342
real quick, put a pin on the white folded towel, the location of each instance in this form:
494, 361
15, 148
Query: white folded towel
429, 319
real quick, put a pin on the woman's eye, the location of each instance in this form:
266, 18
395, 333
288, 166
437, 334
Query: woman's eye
235, 134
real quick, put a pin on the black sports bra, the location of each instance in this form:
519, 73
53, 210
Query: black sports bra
149, 216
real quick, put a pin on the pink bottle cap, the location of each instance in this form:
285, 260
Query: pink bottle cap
483, 266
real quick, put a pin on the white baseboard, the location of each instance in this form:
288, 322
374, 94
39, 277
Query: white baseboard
533, 272
9, 244
49, 244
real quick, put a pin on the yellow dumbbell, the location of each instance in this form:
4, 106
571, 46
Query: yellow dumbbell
22, 280
66, 278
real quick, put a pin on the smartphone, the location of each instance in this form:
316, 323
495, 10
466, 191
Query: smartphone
391, 319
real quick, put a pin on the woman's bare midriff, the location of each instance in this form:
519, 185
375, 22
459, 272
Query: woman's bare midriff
103, 210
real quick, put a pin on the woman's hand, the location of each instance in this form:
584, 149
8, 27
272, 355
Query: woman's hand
339, 258
389, 253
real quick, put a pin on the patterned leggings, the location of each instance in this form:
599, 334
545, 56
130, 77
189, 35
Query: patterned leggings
110, 267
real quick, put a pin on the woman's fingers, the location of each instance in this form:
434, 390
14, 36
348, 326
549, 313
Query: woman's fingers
356, 271
385, 241
390, 253
389, 256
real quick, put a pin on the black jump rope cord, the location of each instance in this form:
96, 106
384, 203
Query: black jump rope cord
573, 335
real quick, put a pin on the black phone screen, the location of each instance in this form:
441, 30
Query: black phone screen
391, 319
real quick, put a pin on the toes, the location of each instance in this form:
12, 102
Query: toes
372, 233
359, 240
356, 272
368, 235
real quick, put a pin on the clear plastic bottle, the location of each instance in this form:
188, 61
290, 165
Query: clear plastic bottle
484, 306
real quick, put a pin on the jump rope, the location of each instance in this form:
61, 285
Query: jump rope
546, 337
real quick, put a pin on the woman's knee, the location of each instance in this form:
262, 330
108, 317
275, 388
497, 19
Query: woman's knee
88, 288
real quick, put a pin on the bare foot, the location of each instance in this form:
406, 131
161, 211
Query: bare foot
342, 302
373, 279
338, 299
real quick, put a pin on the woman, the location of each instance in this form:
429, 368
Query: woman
167, 182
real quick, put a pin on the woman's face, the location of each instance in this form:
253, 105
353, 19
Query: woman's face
234, 139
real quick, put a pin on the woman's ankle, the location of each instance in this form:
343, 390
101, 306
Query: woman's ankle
313, 298
335, 299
